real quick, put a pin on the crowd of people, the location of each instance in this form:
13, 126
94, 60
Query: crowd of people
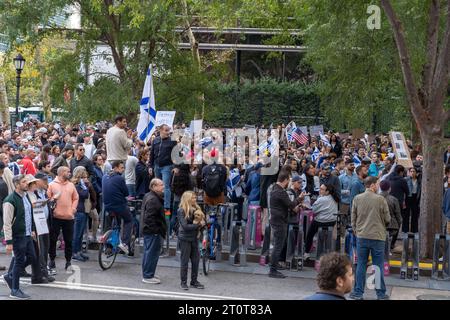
72, 174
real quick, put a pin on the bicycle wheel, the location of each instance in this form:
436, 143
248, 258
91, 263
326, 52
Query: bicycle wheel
107, 253
133, 240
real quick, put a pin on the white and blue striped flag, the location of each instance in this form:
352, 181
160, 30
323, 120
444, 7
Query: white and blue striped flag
356, 160
315, 154
206, 141
324, 139
233, 180
147, 119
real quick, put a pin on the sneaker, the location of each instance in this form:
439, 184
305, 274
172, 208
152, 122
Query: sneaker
197, 285
151, 280
42, 280
280, 267
85, 257
124, 248
385, 297
441, 259
8, 281
78, 257
19, 295
68, 267
184, 286
50, 279
52, 272
52, 264
356, 297
2, 268
306, 256
276, 274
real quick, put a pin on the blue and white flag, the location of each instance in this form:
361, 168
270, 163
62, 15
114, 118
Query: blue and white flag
268, 147
206, 141
324, 139
356, 160
315, 154
233, 180
147, 119
290, 128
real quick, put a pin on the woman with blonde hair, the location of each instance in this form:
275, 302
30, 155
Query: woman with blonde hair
188, 237
81, 182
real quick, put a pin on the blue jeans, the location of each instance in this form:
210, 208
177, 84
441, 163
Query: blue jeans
152, 248
131, 190
165, 174
78, 232
24, 255
376, 249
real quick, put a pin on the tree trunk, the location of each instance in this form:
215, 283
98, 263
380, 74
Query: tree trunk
46, 106
431, 199
195, 52
4, 109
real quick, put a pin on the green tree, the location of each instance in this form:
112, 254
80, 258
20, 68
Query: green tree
401, 69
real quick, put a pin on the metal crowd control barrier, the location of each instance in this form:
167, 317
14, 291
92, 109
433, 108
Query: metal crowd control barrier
253, 231
229, 213
306, 218
324, 244
414, 237
387, 250
265, 250
238, 252
350, 246
438, 239
295, 247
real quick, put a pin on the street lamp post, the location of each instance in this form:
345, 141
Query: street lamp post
19, 63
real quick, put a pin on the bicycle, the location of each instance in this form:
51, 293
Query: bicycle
109, 243
211, 243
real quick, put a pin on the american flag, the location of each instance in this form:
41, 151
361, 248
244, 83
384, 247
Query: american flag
299, 136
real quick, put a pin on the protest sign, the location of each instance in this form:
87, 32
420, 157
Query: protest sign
165, 117
401, 149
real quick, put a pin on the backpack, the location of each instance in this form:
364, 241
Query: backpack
212, 182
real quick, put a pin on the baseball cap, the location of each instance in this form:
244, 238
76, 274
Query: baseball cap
41, 176
30, 178
296, 178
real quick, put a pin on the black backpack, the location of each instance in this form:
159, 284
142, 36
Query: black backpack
212, 181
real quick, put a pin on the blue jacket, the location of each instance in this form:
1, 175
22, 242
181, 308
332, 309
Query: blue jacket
346, 185
374, 169
320, 296
98, 178
252, 189
115, 192
446, 203
83, 194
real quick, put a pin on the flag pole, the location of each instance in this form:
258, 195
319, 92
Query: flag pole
149, 102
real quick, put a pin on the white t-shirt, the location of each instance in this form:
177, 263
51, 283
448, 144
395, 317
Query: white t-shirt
130, 173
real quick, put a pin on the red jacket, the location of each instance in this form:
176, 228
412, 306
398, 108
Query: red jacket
28, 166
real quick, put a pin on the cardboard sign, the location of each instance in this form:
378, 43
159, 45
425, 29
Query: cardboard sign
316, 130
401, 149
196, 127
40, 221
358, 133
165, 117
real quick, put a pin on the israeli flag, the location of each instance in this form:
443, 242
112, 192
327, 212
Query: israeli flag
315, 154
268, 147
324, 139
233, 180
356, 160
206, 141
147, 119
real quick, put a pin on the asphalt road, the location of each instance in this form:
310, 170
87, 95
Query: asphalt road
124, 281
